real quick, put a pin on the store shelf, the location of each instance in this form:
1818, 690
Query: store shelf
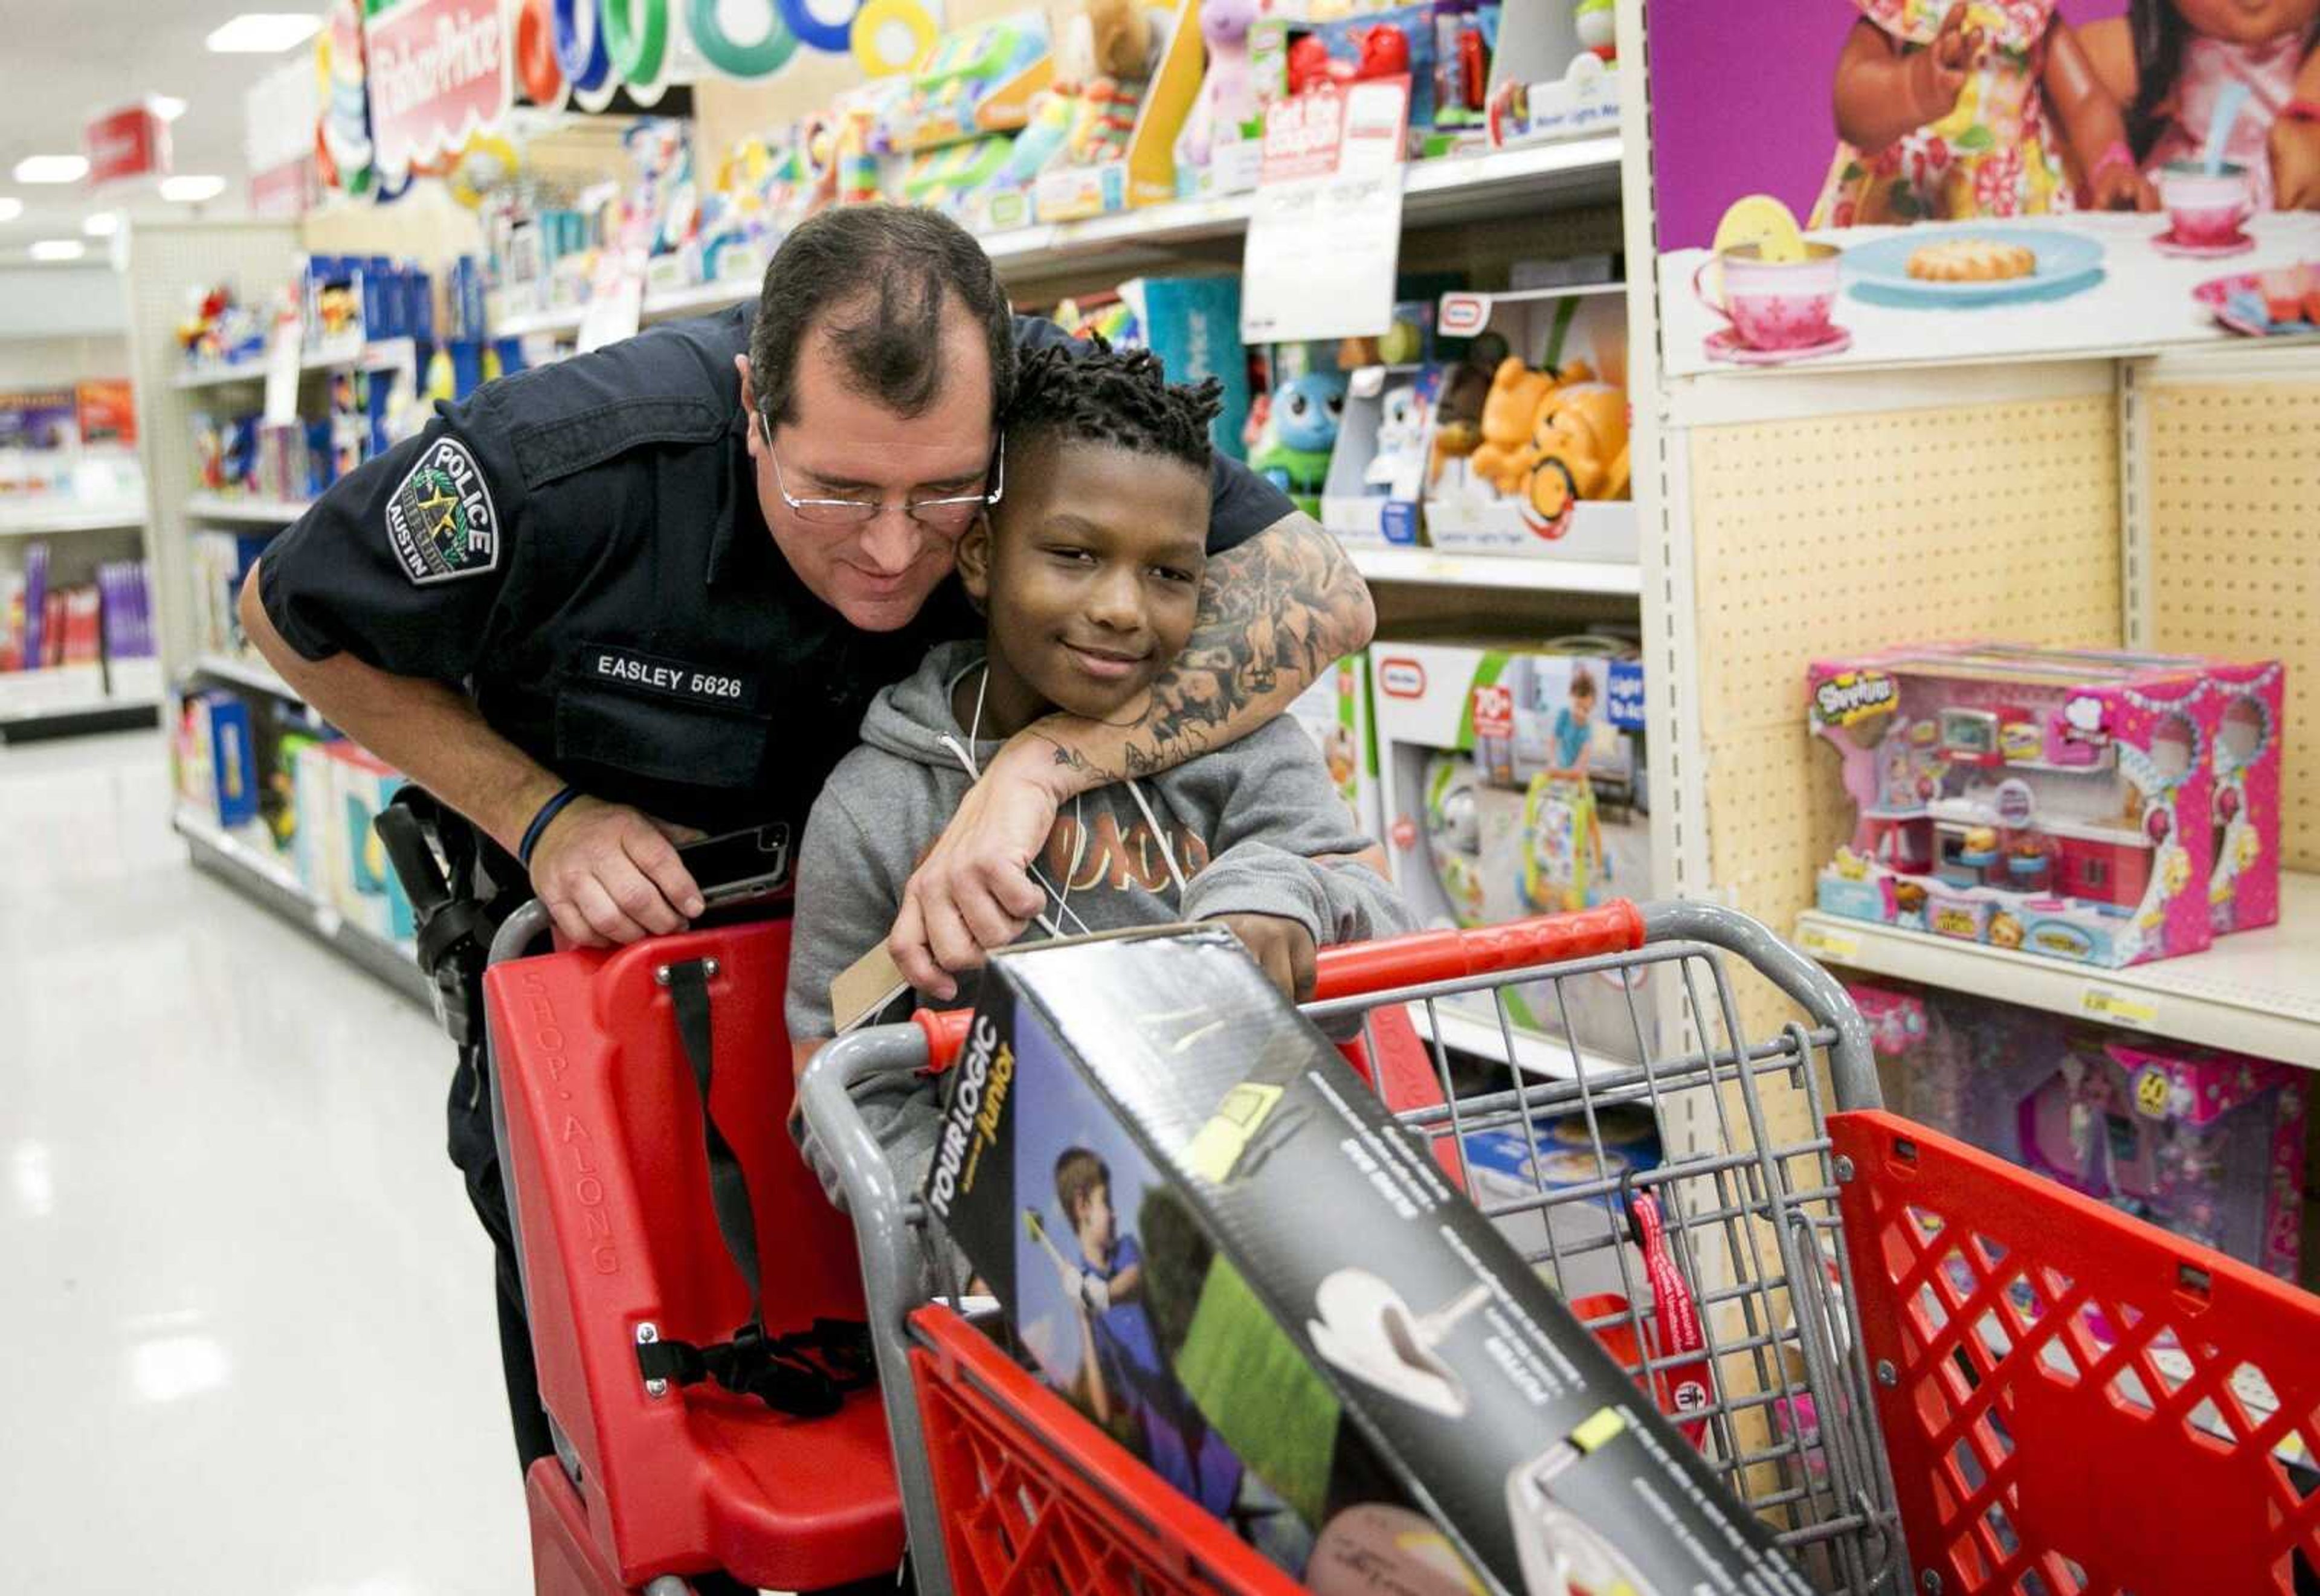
268, 881
1442, 568
1436, 193
384, 355
238, 508
2255, 992
247, 672
63, 521
1550, 1057
76, 720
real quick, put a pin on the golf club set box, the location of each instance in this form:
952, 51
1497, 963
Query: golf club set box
1213, 1240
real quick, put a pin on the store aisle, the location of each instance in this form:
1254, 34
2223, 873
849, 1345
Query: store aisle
247, 1328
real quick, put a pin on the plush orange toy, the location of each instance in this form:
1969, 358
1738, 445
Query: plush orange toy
1579, 450
1509, 416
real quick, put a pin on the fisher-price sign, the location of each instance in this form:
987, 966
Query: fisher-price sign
438, 71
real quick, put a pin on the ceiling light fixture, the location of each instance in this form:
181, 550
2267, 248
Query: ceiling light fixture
168, 108
263, 33
57, 249
11, 208
191, 190
52, 168
101, 225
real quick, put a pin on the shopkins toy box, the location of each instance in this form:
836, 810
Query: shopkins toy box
1209, 1234
2245, 766
2206, 1143
2059, 805
1513, 783
1335, 713
1378, 466
1526, 449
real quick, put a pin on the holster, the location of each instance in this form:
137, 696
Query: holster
433, 850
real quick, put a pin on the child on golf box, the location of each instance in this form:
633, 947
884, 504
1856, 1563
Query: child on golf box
1088, 573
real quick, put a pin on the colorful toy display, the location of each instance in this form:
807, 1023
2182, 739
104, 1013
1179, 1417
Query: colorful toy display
1514, 784
2058, 804
1335, 713
1209, 153
2207, 1144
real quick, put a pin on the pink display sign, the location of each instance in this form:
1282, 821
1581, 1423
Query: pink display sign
438, 71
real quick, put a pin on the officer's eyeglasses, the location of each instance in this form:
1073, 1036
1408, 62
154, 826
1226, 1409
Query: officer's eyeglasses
949, 514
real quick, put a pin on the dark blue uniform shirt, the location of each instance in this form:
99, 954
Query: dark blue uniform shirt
581, 548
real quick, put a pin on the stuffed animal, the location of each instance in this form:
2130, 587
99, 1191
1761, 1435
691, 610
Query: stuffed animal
1120, 39
1301, 430
1580, 449
1509, 417
1595, 19
1228, 94
1402, 434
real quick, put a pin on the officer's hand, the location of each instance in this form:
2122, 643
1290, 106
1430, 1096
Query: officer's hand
973, 890
1283, 947
608, 875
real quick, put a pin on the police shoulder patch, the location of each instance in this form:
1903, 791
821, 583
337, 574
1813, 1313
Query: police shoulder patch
440, 521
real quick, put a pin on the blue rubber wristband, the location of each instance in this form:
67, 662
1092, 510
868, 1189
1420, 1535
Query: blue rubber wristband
548, 812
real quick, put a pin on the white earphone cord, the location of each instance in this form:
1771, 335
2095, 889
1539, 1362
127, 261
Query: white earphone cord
966, 760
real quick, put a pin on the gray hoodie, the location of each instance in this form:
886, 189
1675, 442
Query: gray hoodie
1253, 828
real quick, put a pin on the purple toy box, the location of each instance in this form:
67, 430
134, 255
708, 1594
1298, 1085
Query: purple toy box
2207, 1144
2060, 804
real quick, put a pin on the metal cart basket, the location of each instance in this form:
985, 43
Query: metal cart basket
1005, 1488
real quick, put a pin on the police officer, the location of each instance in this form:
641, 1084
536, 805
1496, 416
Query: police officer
649, 591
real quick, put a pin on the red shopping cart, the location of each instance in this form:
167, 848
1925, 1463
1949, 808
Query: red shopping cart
1927, 1371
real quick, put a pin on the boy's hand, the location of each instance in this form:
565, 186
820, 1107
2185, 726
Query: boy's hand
1939, 71
1284, 948
973, 890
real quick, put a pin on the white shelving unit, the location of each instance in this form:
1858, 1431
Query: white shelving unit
243, 510
259, 875
1449, 568
1548, 1056
247, 672
352, 355
61, 520
2254, 991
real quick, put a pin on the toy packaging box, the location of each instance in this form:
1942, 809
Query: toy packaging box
1209, 1235
1194, 325
1513, 783
2059, 804
1527, 447
1378, 466
1335, 713
1126, 157
2244, 771
1510, 1165
2203, 1143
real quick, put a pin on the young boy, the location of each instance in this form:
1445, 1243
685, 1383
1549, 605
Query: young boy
1087, 571
1122, 1383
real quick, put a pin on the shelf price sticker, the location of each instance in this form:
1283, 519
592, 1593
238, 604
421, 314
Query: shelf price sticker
1827, 944
2114, 1006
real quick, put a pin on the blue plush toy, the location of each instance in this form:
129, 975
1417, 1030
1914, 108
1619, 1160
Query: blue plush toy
1293, 454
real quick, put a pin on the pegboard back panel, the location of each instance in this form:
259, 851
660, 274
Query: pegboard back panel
1844, 533
2234, 537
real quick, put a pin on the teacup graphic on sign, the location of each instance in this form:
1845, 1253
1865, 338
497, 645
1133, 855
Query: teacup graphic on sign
1367, 1330
1562, 1554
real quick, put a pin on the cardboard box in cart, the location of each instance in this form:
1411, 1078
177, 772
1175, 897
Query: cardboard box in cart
1532, 459
1213, 1237
1514, 783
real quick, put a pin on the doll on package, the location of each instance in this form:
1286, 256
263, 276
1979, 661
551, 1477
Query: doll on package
1952, 109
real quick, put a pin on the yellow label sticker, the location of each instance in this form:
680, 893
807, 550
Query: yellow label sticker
2114, 1007
1823, 944
1596, 1429
2153, 1088
1218, 1146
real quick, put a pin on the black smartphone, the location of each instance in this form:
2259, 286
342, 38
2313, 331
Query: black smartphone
740, 866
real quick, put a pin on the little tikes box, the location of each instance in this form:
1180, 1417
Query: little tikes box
1513, 782
1335, 713
1329, 1345
2061, 805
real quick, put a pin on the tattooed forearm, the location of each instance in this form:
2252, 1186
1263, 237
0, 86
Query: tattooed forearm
1275, 613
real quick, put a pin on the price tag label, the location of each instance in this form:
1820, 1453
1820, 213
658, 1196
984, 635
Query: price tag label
2112, 1006
1324, 228
283, 355
1827, 944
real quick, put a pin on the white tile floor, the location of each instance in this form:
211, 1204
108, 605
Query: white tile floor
245, 1312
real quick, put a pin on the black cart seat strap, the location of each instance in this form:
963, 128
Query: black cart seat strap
807, 1372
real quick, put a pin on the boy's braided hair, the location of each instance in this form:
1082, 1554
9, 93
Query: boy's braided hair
1090, 392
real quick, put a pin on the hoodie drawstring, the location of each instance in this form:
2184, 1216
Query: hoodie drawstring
965, 756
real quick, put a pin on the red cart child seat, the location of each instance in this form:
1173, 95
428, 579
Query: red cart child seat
610, 1173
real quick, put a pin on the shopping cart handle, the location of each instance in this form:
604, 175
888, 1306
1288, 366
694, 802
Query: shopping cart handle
1352, 968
